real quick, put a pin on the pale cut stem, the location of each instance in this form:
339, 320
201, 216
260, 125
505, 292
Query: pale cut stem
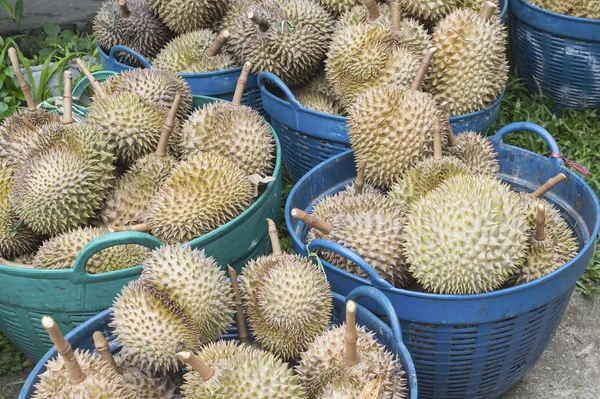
372, 9
259, 20
423, 68
548, 185
351, 358
124, 8
103, 349
274, 236
14, 60
487, 10
63, 347
396, 15
437, 140
217, 45
15, 264
239, 313
93, 82
540, 223
452, 140
143, 227
197, 365
68, 99
241, 85
161, 148
359, 183
312, 221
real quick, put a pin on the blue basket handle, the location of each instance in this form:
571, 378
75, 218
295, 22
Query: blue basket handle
124, 49
84, 83
279, 83
383, 302
353, 257
530, 127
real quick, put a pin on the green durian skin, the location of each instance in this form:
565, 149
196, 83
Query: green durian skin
576, 8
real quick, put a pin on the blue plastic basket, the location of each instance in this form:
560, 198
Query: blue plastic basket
470, 346
218, 84
310, 137
557, 55
390, 336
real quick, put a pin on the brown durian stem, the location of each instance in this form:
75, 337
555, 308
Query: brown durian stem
143, 227
68, 99
124, 8
548, 185
161, 148
359, 183
241, 85
540, 223
259, 20
76, 375
93, 82
372, 8
312, 221
351, 358
274, 236
423, 68
239, 312
396, 15
217, 45
487, 10
15, 264
14, 60
197, 365
437, 140
452, 140
103, 349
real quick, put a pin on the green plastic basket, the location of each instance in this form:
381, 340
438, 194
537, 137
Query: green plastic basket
72, 296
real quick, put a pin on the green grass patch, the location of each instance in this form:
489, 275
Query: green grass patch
11, 358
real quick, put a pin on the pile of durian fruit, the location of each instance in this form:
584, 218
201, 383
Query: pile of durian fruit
175, 315
142, 160
577, 8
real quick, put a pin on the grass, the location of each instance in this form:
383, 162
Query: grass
11, 358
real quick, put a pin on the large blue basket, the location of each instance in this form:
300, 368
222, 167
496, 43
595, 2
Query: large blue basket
310, 137
557, 55
470, 346
390, 336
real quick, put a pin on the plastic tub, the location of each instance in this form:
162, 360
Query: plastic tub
470, 346
390, 336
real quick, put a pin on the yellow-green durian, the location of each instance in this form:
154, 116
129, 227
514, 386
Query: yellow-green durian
575, 8
429, 10
338, 7
359, 14
317, 102
185, 16
146, 386
474, 150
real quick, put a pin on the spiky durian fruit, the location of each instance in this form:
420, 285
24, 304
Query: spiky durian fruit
150, 331
187, 54
317, 102
469, 68
466, 237
339, 390
289, 37
60, 252
475, 151
186, 16
338, 7
130, 23
146, 386
431, 11
576, 8
202, 193
413, 36
375, 14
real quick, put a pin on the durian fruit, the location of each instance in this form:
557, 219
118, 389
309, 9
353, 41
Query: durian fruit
60, 252
77, 374
318, 94
287, 301
576, 8
233, 130
474, 150
468, 236
367, 11
339, 7
66, 178
469, 69
185, 16
286, 37
246, 373
128, 203
130, 23
430, 11
195, 52
345, 360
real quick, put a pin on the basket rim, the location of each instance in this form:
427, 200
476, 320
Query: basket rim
556, 14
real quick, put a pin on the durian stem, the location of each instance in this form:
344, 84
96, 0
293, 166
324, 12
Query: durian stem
197, 365
274, 236
93, 82
217, 45
452, 140
143, 227
161, 148
351, 358
29, 125
239, 312
312, 221
15, 264
359, 183
396, 15
124, 8
241, 85
372, 8
14, 60
540, 223
437, 140
68, 99
76, 375
423, 68
548, 185
487, 10
259, 20
103, 349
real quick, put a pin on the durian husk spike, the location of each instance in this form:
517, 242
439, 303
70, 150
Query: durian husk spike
68, 99
371, 389
351, 358
359, 183
274, 236
143, 227
239, 310
487, 10
197, 365
15, 264
14, 60
396, 15
63, 347
161, 148
437, 140
371, 6
312, 221
241, 85
124, 8
93, 82
217, 45
540, 223
103, 349
423, 68
259, 20
544, 188
29, 125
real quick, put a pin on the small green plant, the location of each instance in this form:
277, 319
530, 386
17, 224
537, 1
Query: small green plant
15, 13
11, 358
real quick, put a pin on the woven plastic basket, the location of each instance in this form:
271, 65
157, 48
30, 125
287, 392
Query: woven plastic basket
470, 346
557, 55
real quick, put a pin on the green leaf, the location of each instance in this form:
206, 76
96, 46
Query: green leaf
8, 99
7, 7
19, 6
51, 29
3, 108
